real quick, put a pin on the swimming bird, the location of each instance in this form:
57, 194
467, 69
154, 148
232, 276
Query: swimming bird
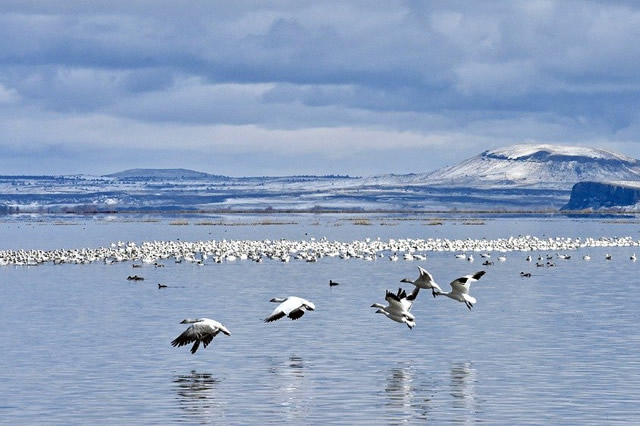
292, 307
607, 256
525, 274
460, 289
333, 283
633, 257
162, 285
135, 278
424, 280
201, 330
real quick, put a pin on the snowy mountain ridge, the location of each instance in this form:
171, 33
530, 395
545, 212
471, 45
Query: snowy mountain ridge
518, 177
543, 166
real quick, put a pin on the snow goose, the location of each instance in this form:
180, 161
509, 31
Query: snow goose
425, 280
397, 318
399, 306
399, 303
292, 307
460, 289
201, 330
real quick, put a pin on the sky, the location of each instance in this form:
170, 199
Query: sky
272, 88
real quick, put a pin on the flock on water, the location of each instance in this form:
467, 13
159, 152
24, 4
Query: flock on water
399, 304
311, 250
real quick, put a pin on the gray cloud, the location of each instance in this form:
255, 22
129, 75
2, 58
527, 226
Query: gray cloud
474, 75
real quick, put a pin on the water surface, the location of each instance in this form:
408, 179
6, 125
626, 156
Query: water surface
82, 344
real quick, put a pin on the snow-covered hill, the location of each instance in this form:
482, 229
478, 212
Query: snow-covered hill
518, 178
173, 174
537, 166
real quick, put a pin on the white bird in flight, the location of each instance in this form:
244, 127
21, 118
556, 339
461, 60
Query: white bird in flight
399, 306
292, 307
201, 330
460, 289
425, 280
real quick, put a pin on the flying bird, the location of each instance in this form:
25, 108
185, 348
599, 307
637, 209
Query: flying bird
425, 280
460, 289
399, 306
201, 330
292, 307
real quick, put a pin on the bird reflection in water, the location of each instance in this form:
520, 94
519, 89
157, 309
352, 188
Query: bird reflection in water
463, 388
406, 395
197, 396
292, 387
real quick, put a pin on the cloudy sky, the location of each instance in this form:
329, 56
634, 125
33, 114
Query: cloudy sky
250, 88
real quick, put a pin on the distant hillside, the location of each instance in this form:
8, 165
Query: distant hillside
174, 174
548, 166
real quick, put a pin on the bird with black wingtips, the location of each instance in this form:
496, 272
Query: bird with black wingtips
293, 307
460, 289
201, 330
399, 306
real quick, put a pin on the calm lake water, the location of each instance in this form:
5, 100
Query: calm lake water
82, 344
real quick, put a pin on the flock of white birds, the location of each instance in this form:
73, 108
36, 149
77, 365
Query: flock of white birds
308, 250
398, 308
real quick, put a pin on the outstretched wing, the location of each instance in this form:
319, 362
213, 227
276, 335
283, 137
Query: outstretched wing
408, 301
394, 300
425, 275
463, 284
195, 332
296, 313
275, 315
426, 280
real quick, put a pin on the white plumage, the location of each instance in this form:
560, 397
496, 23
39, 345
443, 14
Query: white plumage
201, 330
399, 306
425, 280
292, 307
460, 289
